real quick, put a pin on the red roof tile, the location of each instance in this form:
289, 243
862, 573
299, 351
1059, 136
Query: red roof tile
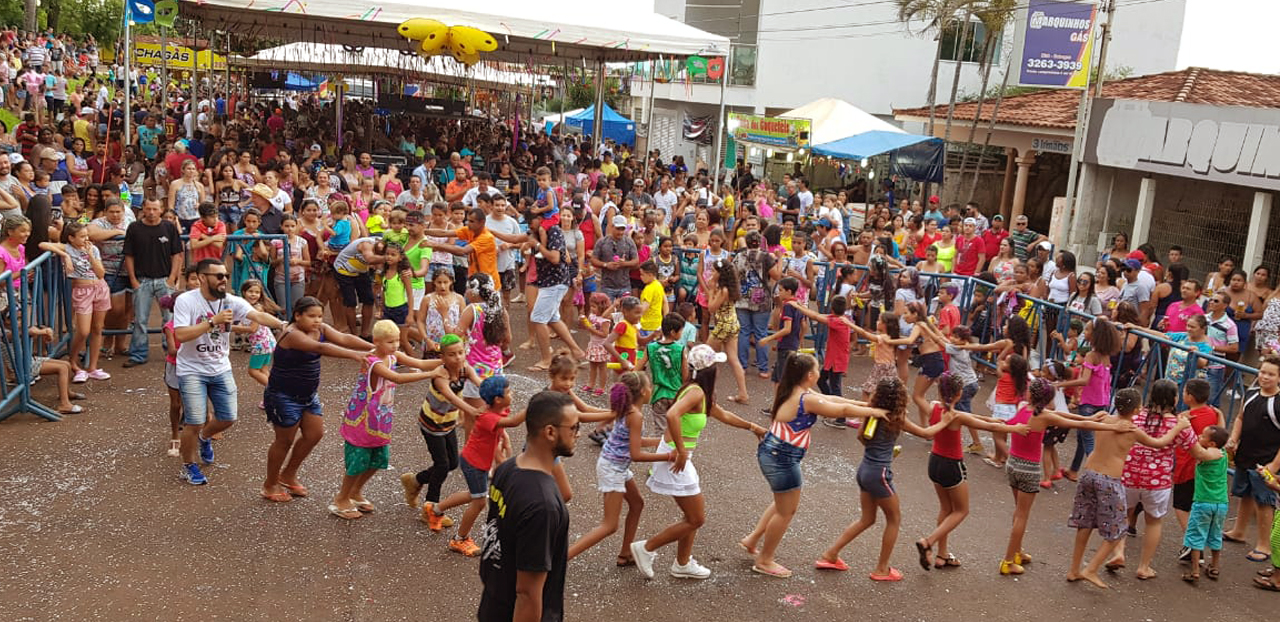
1056, 108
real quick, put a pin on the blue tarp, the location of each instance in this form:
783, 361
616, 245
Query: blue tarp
868, 144
621, 129
298, 82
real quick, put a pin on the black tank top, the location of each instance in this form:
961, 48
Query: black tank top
295, 372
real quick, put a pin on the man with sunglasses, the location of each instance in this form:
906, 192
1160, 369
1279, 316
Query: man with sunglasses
1225, 339
202, 320
153, 261
526, 535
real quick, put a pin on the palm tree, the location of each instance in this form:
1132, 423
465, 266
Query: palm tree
994, 16
936, 14
965, 30
31, 16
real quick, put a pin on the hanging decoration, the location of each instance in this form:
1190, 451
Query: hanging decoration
464, 43
166, 13
698, 129
696, 66
715, 68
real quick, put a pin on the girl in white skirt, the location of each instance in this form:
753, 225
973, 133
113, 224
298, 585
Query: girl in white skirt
678, 478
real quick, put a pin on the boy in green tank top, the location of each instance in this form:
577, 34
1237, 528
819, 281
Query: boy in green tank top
1209, 505
665, 359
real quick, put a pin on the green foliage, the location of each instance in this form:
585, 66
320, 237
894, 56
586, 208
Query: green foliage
582, 95
100, 18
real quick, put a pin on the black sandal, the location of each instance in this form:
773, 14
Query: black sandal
949, 561
1212, 573
1266, 572
1191, 577
925, 552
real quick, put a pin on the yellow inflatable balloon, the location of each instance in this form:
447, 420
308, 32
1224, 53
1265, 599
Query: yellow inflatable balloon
472, 39
466, 59
421, 29
433, 44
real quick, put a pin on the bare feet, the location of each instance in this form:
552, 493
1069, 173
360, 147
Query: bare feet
748, 545
1145, 573
528, 345
741, 399
1115, 563
1094, 579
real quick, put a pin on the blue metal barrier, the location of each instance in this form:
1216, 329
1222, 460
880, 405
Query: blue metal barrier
15, 359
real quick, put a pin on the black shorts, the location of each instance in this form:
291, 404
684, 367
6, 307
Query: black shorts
1183, 495
510, 278
399, 315
932, 365
946, 472
355, 289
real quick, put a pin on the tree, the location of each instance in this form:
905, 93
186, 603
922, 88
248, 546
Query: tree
31, 15
936, 14
965, 29
995, 16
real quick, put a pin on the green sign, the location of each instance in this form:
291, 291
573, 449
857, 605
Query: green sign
775, 132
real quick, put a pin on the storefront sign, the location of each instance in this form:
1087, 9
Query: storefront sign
177, 57
1239, 146
1052, 145
776, 132
1056, 43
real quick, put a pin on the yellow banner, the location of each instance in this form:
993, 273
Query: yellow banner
178, 57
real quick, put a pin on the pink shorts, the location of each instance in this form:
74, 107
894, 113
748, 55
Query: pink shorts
86, 299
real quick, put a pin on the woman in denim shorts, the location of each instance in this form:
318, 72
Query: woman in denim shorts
796, 406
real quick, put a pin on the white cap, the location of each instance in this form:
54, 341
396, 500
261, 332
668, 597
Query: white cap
619, 221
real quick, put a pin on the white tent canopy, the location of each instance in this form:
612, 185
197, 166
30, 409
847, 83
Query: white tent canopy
573, 30
560, 117
834, 119
335, 59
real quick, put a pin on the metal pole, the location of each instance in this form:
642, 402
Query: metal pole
720, 129
597, 122
128, 78
164, 70
1073, 235
648, 111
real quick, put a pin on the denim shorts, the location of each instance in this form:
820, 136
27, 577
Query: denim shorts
285, 411
477, 479
199, 390
1248, 483
780, 464
611, 476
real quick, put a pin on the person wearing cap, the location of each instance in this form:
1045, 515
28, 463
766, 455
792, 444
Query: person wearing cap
84, 127
52, 162
992, 237
935, 212
615, 255
1136, 293
685, 419
1044, 255
1023, 238
638, 196
971, 251
262, 196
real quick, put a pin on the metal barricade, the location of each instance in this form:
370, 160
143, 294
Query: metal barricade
15, 360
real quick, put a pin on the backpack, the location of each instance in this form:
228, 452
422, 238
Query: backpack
753, 287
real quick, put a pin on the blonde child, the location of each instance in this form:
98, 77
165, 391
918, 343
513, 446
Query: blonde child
366, 426
563, 375
626, 444
261, 340
599, 324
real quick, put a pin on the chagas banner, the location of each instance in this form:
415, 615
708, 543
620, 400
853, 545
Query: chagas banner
179, 57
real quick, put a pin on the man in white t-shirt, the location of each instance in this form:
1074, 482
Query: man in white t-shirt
202, 320
497, 219
806, 197
482, 187
666, 199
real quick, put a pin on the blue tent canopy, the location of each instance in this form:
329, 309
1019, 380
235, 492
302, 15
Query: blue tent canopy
299, 82
621, 129
868, 144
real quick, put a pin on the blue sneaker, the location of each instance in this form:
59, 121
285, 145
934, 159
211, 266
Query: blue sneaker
206, 449
191, 473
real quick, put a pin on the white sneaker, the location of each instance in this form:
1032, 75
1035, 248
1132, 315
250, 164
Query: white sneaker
81, 376
691, 570
644, 559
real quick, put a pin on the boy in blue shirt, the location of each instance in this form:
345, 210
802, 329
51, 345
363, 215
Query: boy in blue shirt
790, 326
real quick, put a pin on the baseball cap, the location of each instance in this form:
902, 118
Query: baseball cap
703, 356
638, 182
998, 217
1046, 245
1133, 264
16, 158
823, 222
1138, 255
316, 147
971, 221
620, 221
933, 200
86, 110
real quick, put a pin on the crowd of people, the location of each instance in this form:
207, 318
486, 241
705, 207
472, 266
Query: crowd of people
249, 221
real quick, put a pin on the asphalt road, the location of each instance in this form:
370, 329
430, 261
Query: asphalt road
95, 524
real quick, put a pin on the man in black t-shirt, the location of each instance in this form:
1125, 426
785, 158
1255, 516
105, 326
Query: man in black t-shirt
526, 534
153, 261
1255, 439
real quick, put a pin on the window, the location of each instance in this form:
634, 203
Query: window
967, 44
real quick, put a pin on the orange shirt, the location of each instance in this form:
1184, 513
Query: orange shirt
213, 251
456, 187
485, 257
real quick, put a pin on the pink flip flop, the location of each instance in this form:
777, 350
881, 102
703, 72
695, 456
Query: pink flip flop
839, 564
894, 575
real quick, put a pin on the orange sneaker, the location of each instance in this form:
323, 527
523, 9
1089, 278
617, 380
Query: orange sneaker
429, 516
467, 547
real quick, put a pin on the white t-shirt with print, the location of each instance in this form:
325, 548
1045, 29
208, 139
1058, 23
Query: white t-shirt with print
208, 354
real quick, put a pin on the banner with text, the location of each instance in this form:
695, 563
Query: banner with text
177, 57
1056, 45
775, 132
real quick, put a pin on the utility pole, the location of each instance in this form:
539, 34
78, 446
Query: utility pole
1073, 235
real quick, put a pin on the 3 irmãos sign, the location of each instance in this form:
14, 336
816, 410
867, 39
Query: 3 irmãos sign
1231, 145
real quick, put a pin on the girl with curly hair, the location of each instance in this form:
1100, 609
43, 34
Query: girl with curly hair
723, 336
875, 479
796, 407
1012, 384
1025, 452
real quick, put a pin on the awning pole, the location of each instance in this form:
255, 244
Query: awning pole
128, 78
716, 162
597, 122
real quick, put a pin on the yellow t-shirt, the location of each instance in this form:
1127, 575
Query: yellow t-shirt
609, 169
655, 296
374, 224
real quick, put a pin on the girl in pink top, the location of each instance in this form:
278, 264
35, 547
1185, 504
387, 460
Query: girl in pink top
1095, 378
13, 252
1148, 472
488, 330
1023, 465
